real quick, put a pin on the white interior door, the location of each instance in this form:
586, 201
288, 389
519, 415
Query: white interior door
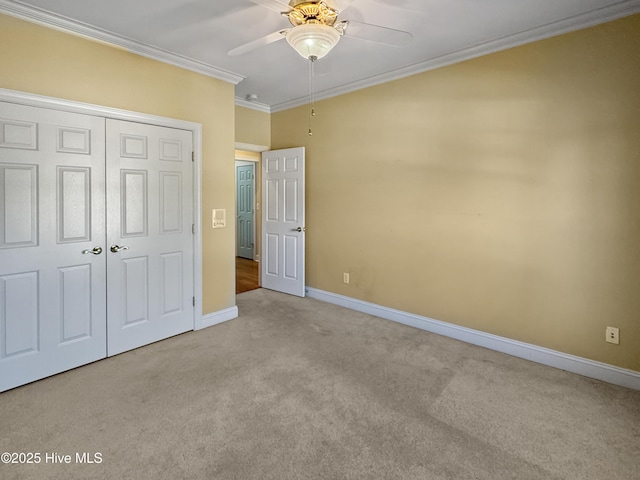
149, 234
52, 242
283, 245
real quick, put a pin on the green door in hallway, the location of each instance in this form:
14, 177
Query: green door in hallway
245, 175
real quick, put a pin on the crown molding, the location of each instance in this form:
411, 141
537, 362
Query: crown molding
42, 17
589, 19
261, 107
64, 24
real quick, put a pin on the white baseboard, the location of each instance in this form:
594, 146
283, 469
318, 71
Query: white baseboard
218, 317
571, 363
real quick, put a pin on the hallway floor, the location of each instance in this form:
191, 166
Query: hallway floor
246, 275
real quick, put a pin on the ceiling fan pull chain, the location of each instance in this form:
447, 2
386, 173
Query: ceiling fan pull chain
312, 112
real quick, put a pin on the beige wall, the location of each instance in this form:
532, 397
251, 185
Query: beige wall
500, 194
253, 126
39, 60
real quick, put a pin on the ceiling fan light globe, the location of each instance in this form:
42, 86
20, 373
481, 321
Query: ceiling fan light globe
313, 40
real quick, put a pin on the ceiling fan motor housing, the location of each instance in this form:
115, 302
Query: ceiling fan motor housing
306, 12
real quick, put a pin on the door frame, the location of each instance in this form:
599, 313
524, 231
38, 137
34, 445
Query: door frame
254, 155
35, 100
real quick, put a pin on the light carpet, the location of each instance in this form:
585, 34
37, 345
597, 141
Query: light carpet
300, 389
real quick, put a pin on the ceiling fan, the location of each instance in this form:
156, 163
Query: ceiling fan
316, 29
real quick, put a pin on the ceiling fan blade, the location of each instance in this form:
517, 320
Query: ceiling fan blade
340, 5
275, 5
257, 43
417, 5
378, 34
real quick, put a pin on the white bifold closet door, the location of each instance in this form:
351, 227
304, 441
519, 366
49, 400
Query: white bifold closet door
93, 238
149, 225
52, 216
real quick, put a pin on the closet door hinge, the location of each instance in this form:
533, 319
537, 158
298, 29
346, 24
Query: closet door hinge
193, 156
194, 301
193, 228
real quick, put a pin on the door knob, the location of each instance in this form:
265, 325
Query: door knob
117, 248
299, 229
94, 250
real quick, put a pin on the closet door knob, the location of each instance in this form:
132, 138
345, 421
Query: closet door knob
117, 248
94, 250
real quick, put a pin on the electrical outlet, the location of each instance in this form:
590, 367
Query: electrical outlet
612, 335
345, 278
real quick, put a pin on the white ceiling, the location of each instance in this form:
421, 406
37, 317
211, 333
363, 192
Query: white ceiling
197, 34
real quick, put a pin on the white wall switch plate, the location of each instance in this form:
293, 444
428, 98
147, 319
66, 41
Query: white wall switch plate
219, 217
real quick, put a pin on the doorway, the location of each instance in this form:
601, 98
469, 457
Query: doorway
245, 210
247, 228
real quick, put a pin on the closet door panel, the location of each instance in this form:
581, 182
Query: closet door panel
52, 240
149, 230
